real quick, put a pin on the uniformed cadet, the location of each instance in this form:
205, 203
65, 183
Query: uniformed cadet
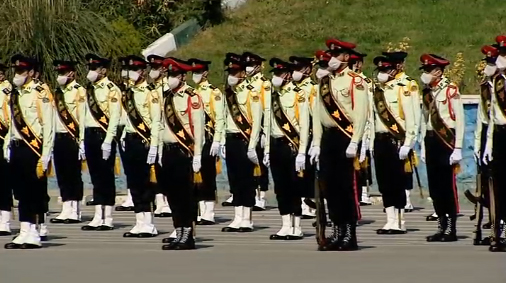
69, 101
242, 128
301, 76
339, 120
393, 132
28, 146
443, 133
181, 153
496, 136
255, 77
398, 59
101, 121
158, 76
140, 138
286, 145
125, 84
214, 106
6, 188
356, 63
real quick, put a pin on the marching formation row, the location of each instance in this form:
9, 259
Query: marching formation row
315, 124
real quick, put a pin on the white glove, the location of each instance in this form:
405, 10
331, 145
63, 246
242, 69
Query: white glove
160, 152
223, 151
487, 155
456, 156
476, 155
82, 153
314, 154
262, 141
422, 153
252, 155
300, 162
122, 144
267, 160
45, 161
215, 149
106, 150
153, 150
404, 152
7, 154
351, 151
363, 154
197, 163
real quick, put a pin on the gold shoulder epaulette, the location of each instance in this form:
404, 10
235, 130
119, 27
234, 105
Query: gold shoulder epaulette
77, 86
313, 82
250, 87
6, 91
368, 80
263, 78
212, 87
297, 89
401, 84
151, 87
353, 74
110, 85
190, 91
409, 78
39, 88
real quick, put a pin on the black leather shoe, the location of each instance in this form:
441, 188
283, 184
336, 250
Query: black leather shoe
435, 238
124, 208
365, 203
431, 218
487, 225
90, 228
484, 242
396, 232
72, 221
226, 203
57, 221
130, 235
229, 229
407, 210
147, 235
382, 231
188, 245
204, 222
168, 240
257, 208
5, 233
163, 215
12, 246
30, 247
170, 247
449, 238
91, 203
105, 228
499, 247
43, 238
308, 216
294, 238
245, 230
277, 237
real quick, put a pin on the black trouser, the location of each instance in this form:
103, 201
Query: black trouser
119, 133
262, 181
207, 190
499, 172
177, 183
240, 171
485, 168
441, 176
338, 177
68, 167
309, 178
101, 171
287, 185
365, 175
137, 172
5, 187
29, 189
390, 173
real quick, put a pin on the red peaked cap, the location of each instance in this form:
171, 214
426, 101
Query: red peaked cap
382, 62
334, 44
135, 62
322, 55
155, 60
175, 65
490, 51
199, 65
501, 40
432, 60
61, 65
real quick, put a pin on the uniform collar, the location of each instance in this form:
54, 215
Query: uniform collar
399, 75
101, 83
255, 77
286, 88
304, 81
28, 87
340, 73
205, 84
70, 85
181, 91
141, 86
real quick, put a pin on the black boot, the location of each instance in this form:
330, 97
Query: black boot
450, 234
349, 241
172, 243
499, 245
441, 222
334, 241
431, 218
187, 241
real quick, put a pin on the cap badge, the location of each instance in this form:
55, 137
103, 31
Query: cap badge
332, 46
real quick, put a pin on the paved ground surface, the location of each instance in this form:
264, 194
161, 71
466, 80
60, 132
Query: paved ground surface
75, 256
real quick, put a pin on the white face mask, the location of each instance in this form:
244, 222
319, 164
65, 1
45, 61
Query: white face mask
134, 76
490, 70
297, 76
62, 80
320, 73
250, 70
19, 80
92, 76
232, 81
334, 63
154, 74
277, 81
426, 78
383, 77
501, 62
173, 82
197, 78
124, 74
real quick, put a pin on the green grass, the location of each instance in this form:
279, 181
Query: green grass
280, 28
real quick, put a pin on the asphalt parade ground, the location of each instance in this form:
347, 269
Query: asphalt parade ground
74, 256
